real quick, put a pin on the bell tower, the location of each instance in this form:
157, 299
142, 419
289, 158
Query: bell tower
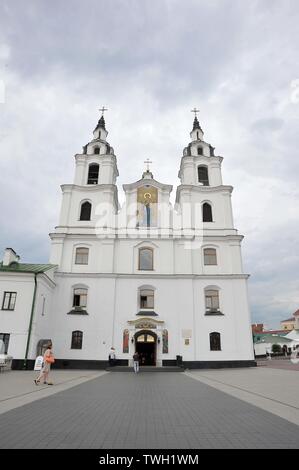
94, 190
199, 165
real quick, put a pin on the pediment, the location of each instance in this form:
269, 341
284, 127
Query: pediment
146, 323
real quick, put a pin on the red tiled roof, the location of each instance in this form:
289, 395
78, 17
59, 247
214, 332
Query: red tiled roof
296, 314
288, 319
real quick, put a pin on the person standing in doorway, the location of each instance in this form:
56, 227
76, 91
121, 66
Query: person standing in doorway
136, 362
112, 357
44, 373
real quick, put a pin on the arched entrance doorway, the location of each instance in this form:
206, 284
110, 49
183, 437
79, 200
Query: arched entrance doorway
146, 346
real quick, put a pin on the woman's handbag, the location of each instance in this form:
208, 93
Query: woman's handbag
50, 359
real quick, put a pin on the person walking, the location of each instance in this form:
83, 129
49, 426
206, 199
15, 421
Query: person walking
136, 362
44, 373
112, 357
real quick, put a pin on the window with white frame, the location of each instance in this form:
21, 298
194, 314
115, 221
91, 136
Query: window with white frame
9, 300
212, 300
146, 259
79, 298
146, 298
210, 256
81, 256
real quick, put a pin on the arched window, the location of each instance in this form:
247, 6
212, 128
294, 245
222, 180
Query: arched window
146, 261
93, 173
212, 300
215, 341
203, 176
146, 298
77, 339
97, 150
85, 211
199, 151
207, 212
210, 256
79, 298
81, 256
197, 134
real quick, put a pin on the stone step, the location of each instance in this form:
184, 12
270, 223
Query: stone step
145, 369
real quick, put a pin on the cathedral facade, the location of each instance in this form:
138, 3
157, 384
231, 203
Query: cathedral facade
164, 280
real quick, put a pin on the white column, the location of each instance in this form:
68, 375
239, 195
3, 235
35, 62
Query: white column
80, 170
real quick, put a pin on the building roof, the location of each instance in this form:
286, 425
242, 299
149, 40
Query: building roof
296, 314
274, 339
26, 268
288, 320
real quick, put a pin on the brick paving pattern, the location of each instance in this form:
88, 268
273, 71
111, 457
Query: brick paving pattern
146, 411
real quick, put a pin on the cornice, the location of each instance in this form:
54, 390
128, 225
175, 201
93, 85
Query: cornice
151, 276
206, 238
151, 182
88, 187
202, 189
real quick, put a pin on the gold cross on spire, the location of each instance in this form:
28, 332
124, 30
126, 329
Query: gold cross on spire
148, 161
195, 111
103, 109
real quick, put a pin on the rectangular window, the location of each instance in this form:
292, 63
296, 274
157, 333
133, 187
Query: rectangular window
5, 338
81, 256
145, 259
210, 257
80, 298
212, 300
77, 338
9, 301
147, 299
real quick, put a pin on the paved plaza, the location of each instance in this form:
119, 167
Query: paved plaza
88, 409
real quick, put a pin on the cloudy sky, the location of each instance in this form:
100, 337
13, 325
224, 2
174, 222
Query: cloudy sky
150, 62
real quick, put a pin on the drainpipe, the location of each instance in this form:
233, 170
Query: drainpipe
30, 322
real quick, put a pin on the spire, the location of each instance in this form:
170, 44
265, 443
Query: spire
100, 131
197, 132
196, 125
101, 123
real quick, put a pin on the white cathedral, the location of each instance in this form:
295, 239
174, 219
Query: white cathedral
166, 281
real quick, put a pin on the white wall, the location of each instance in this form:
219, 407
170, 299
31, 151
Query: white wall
16, 322
179, 303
